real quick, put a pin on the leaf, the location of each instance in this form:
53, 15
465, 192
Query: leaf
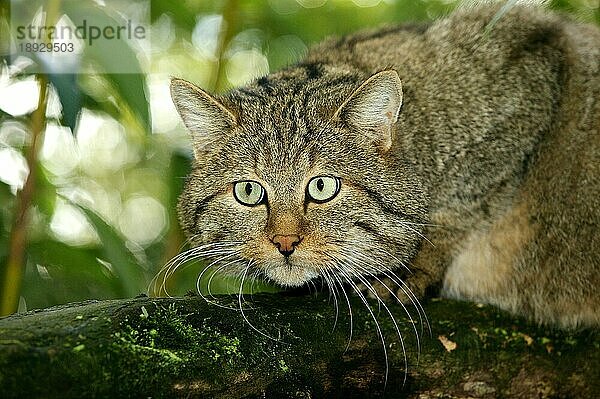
98, 104
69, 95
123, 262
4, 115
64, 79
448, 345
131, 88
179, 168
5, 195
57, 273
178, 10
57, 253
45, 192
6, 199
113, 56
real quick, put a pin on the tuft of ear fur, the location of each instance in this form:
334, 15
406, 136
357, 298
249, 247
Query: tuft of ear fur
204, 116
374, 107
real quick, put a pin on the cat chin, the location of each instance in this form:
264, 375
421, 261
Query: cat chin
290, 276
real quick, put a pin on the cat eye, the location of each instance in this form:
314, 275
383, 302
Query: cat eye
323, 188
248, 192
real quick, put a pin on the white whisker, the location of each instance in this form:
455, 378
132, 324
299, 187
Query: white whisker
177, 261
406, 226
333, 292
404, 288
377, 327
349, 309
241, 300
214, 302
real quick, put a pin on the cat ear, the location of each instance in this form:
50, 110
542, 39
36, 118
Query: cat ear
374, 107
205, 117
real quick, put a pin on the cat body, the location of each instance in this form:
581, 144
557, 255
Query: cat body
466, 151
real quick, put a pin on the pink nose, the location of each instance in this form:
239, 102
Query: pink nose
286, 243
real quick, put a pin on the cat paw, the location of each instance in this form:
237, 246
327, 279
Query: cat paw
391, 290
381, 288
410, 291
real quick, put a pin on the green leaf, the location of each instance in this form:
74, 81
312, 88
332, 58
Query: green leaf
69, 96
64, 79
45, 192
131, 88
123, 262
57, 253
179, 168
91, 102
4, 115
114, 55
6, 200
70, 274
179, 11
5, 195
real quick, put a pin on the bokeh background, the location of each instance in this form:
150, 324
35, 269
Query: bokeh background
91, 164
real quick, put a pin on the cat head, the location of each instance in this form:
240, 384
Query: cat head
297, 177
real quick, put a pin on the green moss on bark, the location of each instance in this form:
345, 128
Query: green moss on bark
186, 347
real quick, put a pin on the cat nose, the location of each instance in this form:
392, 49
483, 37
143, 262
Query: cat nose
286, 243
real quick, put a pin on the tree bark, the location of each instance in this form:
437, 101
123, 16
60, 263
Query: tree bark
286, 346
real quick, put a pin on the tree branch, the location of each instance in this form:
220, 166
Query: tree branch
187, 347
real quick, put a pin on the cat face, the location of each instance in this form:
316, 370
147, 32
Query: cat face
287, 187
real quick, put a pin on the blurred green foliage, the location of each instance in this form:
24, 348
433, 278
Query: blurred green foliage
102, 221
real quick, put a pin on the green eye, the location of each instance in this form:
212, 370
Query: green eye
323, 188
248, 192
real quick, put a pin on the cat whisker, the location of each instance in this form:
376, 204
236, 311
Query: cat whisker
207, 255
333, 292
425, 224
423, 319
387, 272
361, 273
381, 303
186, 257
334, 275
403, 287
206, 251
256, 276
377, 326
310, 286
400, 262
241, 300
423, 236
253, 279
173, 264
215, 272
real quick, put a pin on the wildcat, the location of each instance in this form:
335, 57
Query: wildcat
462, 154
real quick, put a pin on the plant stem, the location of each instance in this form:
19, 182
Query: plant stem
230, 16
15, 264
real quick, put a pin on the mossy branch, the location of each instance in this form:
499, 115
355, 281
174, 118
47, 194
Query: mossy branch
186, 347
